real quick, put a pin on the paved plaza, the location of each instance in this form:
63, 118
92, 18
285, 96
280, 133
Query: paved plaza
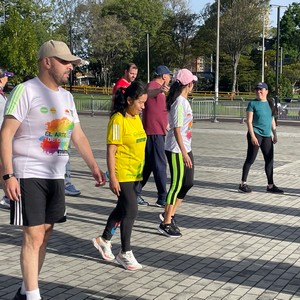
234, 245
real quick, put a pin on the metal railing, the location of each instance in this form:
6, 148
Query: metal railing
203, 109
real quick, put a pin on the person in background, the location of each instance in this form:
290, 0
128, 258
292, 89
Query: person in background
130, 74
70, 189
155, 121
178, 149
261, 134
4, 76
126, 140
40, 120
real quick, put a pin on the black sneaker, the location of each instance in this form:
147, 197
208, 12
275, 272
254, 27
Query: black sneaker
160, 202
173, 221
244, 188
274, 189
141, 201
19, 296
168, 230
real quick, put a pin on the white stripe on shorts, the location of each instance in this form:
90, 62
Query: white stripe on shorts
18, 217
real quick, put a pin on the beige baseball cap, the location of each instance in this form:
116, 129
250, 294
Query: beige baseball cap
58, 49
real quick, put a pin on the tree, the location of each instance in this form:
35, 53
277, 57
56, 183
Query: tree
21, 34
184, 27
292, 72
290, 30
110, 45
139, 17
240, 26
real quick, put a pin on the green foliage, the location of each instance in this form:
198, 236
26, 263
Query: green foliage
22, 33
139, 17
21, 44
285, 88
290, 28
110, 33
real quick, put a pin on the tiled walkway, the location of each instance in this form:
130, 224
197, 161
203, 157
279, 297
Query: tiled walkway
234, 246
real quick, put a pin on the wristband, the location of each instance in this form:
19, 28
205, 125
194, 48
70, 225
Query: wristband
7, 176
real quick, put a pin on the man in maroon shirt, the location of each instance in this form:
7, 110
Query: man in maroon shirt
155, 121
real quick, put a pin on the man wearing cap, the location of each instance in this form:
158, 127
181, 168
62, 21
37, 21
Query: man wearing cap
4, 75
155, 121
40, 120
261, 134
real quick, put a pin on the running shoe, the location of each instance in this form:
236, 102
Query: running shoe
244, 188
5, 202
19, 296
104, 248
128, 261
275, 190
141, 201
173, 221
160, 203
70, 190
168, 230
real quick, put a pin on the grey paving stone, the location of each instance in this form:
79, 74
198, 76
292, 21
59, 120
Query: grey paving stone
234, 246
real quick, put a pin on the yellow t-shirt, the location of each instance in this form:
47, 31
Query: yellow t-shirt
130, 137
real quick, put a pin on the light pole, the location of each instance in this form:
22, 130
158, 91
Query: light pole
217, 53
277, 54
217, 61
263, 53
71, 49
148, 57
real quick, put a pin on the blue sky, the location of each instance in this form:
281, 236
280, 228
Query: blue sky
197, 6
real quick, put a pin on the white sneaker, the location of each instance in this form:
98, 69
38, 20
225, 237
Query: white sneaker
128, 261
5, 202
104, 248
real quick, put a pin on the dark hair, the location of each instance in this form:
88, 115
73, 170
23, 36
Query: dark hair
274, 109
175, 90
134, 91
131, 65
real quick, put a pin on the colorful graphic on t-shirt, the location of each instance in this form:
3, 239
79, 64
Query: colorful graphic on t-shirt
189, 131
57, 136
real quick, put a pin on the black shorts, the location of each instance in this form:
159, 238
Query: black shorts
42, 202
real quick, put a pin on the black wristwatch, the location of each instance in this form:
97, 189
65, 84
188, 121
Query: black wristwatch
7, 176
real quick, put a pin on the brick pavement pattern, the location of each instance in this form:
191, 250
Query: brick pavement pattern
234, 245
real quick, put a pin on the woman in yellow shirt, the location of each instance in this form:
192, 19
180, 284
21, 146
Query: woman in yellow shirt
126, 140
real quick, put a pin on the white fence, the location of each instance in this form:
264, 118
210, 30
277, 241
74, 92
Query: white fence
203, 109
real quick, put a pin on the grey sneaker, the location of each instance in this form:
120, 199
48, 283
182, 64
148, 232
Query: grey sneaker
5, 202
128, 261
70, 190
141, 201
104, 248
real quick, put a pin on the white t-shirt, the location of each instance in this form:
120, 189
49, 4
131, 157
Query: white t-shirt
40, 145
2, 106
180, 115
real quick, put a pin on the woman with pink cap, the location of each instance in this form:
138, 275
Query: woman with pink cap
178, 149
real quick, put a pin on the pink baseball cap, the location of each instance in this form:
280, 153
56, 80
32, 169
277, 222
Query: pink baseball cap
185, 76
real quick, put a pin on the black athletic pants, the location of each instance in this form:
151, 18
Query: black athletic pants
124, 214
267, 149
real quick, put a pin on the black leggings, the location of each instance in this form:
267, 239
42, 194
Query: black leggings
267, 149
124, 214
